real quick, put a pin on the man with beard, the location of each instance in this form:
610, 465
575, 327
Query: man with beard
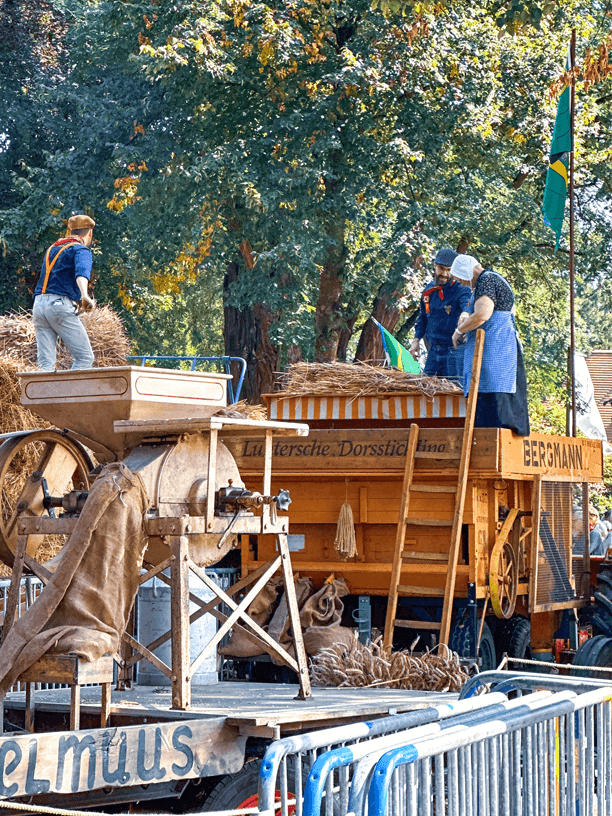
442, 302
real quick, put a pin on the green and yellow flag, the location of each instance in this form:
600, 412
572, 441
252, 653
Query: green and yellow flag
396, 355
557, 178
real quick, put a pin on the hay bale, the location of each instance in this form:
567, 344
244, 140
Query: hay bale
358, 379
107, 335
373, 666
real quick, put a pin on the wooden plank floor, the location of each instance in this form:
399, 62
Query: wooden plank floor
244, 703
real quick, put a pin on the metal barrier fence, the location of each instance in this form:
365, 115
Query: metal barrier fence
31, 588
506, 682
545, 752
288, 760
555, 759
359, 761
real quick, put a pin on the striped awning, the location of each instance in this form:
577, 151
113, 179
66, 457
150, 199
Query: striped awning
351, 407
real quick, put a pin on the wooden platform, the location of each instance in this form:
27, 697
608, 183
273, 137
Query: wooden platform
251, 707
148, 742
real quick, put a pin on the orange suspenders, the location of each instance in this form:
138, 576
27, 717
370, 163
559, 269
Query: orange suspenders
49, 266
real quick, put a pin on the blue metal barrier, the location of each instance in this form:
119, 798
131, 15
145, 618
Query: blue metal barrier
303, 744
196, 360
319, 782
505, 682
486, 773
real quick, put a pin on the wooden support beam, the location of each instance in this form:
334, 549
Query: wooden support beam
179, 617
425, 488
294, 617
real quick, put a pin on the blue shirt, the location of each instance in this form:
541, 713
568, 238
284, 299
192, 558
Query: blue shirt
438, 323
74, 262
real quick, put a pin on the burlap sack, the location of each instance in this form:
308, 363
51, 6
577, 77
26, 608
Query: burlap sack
280, 625
325, 608
84, 608
320, 637
260, 610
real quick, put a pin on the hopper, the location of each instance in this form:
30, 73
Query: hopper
89, 401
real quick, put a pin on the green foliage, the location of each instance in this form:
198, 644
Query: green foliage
341, 141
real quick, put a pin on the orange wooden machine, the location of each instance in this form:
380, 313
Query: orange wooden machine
403, 460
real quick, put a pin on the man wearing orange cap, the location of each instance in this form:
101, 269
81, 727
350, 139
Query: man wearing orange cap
61, 292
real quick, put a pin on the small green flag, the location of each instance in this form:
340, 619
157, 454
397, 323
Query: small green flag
397, 356
557, 177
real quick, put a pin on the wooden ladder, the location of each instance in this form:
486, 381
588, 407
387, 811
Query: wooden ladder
400, 555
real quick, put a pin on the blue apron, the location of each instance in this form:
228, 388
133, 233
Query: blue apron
499, 355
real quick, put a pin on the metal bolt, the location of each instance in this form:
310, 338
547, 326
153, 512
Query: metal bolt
188, 528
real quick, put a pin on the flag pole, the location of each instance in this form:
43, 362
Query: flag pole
572, 367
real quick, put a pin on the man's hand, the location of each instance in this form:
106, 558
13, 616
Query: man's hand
458, 338
414, 348
87, 303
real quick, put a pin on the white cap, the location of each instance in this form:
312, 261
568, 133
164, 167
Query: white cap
463, 267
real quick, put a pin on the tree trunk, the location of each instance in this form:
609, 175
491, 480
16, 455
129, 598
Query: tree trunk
387, 311
328, 317
246, 334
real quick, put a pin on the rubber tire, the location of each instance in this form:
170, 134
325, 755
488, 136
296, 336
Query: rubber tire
460, 641
513, 637
234, 789
602, 619
597, 651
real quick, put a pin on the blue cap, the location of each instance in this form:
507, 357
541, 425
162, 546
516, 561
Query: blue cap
445, 257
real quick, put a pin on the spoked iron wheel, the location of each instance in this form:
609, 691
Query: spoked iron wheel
33, 465
503, 579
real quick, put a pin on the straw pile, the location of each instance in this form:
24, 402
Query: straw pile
358, 379
106, 333
242, 410
359, 666
18, 353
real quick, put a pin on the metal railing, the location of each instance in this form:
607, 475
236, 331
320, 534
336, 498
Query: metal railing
30, 589
288, 760
506, 682
224, 361
548, 751
360, 760
544, 761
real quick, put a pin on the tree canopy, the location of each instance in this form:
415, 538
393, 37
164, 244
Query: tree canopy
289, 167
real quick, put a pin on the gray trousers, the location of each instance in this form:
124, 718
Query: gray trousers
56, 316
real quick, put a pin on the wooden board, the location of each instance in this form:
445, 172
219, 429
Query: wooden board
558, 458
364, 450
229, 425
243, 703
70, 762
382, 451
